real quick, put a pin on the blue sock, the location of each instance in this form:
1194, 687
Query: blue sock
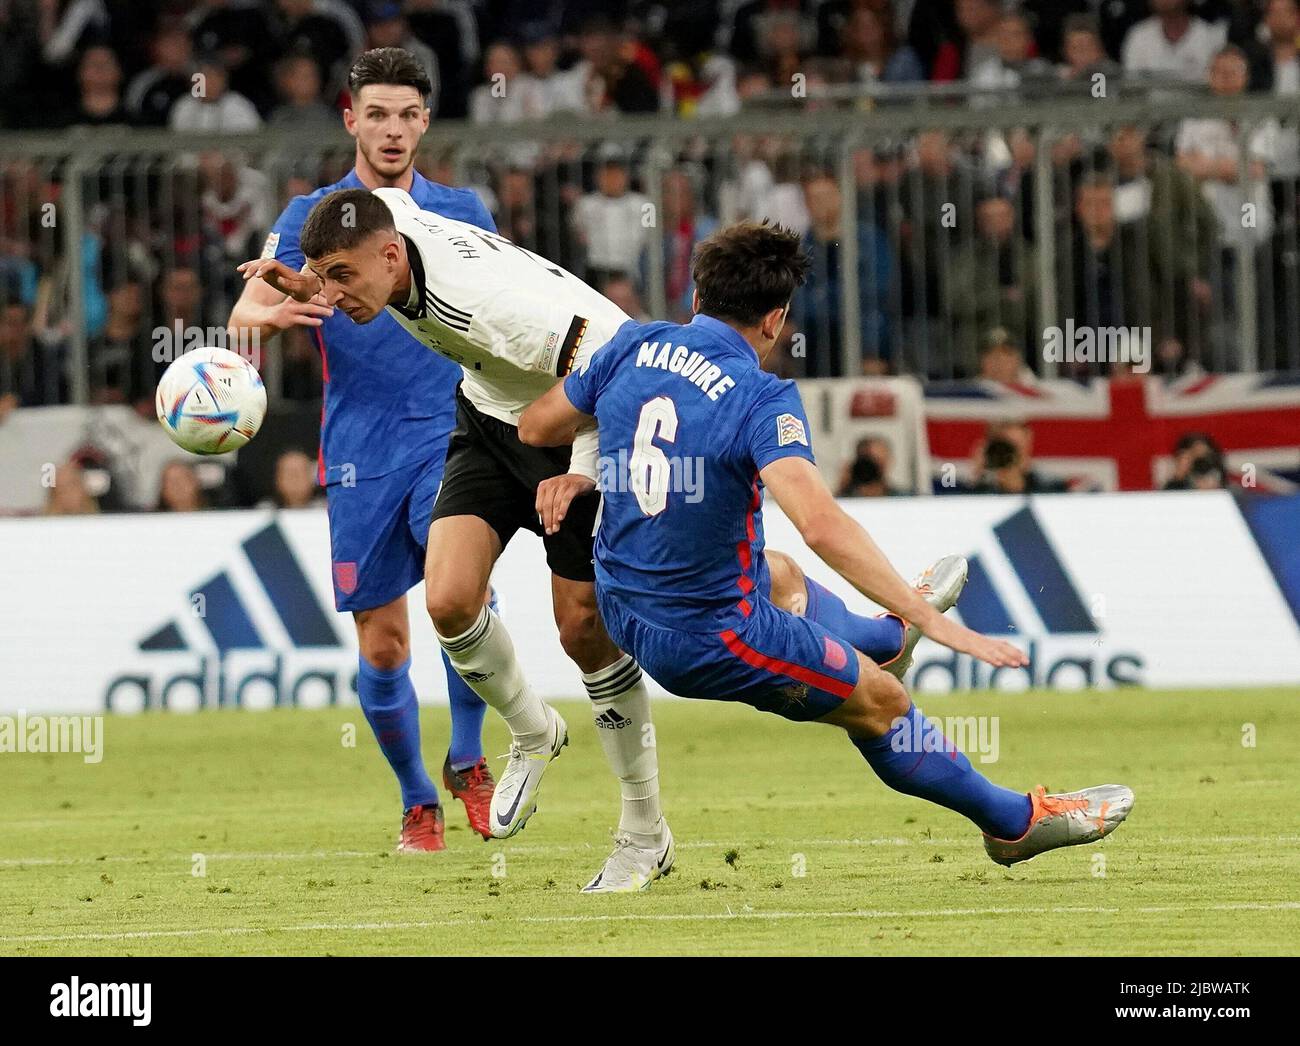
916, 759
390, 707
467, 711
880, 638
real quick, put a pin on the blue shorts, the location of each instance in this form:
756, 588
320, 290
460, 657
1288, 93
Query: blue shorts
773, 660
378, 532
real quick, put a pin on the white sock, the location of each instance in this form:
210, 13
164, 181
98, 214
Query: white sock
620, 707
485, 658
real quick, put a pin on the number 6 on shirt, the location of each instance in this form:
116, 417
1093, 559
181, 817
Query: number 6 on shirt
650, 468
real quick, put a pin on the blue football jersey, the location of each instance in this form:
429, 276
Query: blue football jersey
687, 419
389, 401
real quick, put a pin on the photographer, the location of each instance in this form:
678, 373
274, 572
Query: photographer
1198, 464
1004, 466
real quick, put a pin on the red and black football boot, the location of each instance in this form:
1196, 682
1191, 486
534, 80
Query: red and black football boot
422, 830
473, 787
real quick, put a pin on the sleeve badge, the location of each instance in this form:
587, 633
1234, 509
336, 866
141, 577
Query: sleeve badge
789, 429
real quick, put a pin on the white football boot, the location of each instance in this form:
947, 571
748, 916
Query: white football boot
631, 868
515, 798
940, 584
1064, 819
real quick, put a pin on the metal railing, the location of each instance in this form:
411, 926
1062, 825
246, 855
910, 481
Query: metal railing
928, 229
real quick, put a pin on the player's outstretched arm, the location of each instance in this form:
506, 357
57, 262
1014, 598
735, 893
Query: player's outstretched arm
846, 547
268, 304
551, 420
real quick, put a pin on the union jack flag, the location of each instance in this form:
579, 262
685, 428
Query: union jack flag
1119, 433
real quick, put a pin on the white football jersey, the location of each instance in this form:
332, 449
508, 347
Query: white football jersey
515, 322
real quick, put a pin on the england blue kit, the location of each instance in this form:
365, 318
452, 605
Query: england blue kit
390, 407
687, 420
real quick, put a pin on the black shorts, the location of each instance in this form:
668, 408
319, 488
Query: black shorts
491, 475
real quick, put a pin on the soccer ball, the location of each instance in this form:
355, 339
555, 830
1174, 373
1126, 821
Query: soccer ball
211, 401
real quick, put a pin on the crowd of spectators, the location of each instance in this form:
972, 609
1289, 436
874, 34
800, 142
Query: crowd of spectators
1002, 462
85, 485
949, 253
137, 62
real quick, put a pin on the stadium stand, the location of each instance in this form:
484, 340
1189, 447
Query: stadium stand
968, 177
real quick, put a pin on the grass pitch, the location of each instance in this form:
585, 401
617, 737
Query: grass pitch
262, 833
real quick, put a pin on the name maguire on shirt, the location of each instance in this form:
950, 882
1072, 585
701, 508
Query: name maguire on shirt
689, 364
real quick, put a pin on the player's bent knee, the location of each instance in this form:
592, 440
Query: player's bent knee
386, 655
383, 644
578, 627
583, 637
451, 613
787, 582
886, 699
874, 705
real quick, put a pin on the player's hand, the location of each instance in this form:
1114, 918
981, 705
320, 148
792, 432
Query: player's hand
957, 637
996, 652
301, 286
555, 495
292, 313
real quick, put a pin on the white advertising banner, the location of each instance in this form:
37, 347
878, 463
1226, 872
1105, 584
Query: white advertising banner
235, 609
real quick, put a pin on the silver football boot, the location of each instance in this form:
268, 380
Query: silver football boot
940, 584
1064, 819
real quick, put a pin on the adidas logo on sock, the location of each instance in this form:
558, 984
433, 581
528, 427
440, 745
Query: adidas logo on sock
477, 677
611, 720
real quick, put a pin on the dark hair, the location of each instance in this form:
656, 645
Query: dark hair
1080, 23
597, 23
284, 62
342, 220
746, 270
1189, 439
997, 338
1098, 178
211, 59
392, 67
1000, 453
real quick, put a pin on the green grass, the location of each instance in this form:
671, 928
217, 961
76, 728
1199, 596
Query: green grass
296, 831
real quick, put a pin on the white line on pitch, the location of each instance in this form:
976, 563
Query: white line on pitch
13, 862
234, 931
770, 846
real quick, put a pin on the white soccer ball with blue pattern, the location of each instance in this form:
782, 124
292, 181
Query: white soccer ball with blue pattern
211, 401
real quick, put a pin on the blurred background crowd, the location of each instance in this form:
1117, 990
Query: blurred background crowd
280, 62
936, 253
